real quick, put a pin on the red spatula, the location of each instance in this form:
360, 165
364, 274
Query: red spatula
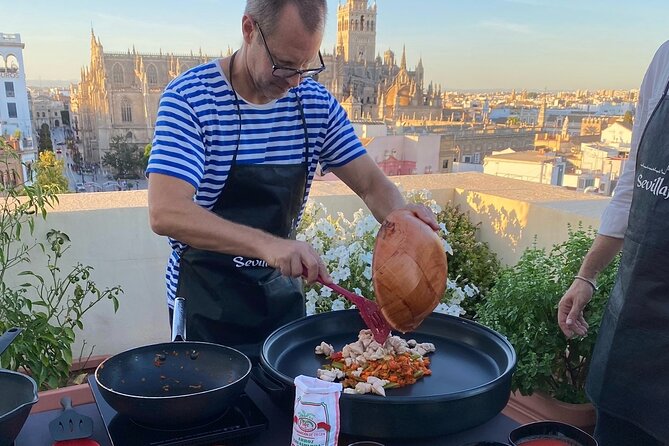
369, 311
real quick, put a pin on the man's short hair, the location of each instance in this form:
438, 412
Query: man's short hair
266, 12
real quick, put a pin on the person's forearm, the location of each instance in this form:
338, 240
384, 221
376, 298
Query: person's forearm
601, 253
383, 199
197, 227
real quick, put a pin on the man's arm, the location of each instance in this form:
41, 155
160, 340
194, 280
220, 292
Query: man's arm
570, 308
380, 195
173, 213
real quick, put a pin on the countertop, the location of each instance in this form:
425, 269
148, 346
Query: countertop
36, 430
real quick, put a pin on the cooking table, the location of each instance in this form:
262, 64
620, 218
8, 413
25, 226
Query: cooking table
36, 430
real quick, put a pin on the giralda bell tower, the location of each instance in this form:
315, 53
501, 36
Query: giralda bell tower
356, 31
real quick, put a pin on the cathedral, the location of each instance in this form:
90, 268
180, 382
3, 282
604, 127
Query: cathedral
119, 91
118, 95
371, 87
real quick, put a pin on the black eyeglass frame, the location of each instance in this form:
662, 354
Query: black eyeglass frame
309, 72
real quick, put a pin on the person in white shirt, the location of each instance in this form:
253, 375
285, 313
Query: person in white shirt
628, 381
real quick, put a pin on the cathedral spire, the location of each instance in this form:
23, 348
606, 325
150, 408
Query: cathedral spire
403, 63
93, 41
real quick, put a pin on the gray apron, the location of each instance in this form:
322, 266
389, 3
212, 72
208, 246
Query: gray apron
629, 372
237, 301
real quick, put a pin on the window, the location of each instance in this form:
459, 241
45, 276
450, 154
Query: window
126, 111
11, 109
117, 74
444, 164
9, 89
585, 182
152, 74
477, 158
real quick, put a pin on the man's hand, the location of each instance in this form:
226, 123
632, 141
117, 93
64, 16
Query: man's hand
425, 214
293, 258
570, 309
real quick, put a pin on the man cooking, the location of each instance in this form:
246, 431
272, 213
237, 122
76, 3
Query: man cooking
236, 146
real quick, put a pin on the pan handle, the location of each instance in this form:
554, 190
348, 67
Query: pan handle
179, 320
8, 337
267, 383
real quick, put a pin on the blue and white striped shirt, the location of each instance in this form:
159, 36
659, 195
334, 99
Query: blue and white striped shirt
198, 127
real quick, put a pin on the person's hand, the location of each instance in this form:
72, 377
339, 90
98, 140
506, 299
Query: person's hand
295, 258
425, 214
570, 309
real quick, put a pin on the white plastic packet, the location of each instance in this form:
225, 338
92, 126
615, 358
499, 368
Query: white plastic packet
316, 414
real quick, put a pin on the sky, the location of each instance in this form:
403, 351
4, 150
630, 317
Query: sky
464, 44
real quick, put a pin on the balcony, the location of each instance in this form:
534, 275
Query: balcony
110, 232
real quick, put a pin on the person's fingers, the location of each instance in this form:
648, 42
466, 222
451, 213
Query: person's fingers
424, 214
323, 272
295, 265
310, 267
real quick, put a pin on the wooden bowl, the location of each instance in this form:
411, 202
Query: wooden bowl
409, 270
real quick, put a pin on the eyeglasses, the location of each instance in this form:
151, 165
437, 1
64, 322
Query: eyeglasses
285, 72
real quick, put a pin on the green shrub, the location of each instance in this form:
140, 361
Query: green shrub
50, 306
473, 262
522, 305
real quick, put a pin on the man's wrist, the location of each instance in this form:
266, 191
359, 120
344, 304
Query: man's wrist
590, 282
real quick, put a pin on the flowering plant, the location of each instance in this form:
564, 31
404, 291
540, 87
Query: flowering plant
346, 247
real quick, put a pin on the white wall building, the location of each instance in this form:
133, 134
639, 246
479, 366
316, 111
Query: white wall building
14, 108
526, 166
618, 134
423, 149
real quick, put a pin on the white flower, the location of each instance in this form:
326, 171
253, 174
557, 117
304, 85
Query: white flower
453, 310
340, 274
347, 245
311, 307
338, 304
471, 290
447, 246
367, 273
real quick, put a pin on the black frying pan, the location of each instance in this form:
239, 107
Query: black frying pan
176, 383
470, 382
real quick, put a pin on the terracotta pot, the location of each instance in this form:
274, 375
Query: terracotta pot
80, 394
540, 407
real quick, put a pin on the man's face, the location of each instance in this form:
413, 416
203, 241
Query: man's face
290, 45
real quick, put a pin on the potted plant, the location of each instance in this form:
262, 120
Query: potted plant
522, 305
47, 300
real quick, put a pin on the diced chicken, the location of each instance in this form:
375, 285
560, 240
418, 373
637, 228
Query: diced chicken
423, 349
366, 349
324, 349
330, 375
363, 388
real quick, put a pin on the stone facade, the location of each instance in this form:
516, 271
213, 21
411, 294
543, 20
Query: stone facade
369, 86
119, 93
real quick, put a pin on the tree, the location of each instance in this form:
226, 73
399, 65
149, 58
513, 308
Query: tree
44, 138
123, 157
145, 158
628, 118
50, 175
74, 152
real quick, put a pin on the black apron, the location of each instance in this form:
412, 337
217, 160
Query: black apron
237, 301
629, 373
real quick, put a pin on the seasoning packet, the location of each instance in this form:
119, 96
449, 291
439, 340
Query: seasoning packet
316, 412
